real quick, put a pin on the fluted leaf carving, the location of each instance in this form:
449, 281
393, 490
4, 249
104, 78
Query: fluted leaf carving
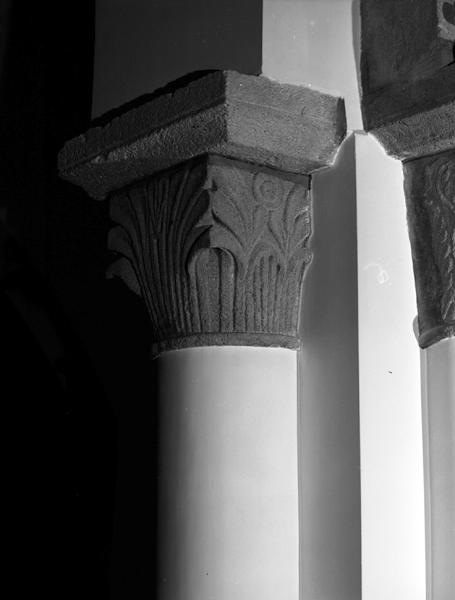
442, 210
430, 185
440, 204
215, 247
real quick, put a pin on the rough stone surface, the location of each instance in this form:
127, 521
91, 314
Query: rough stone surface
246, 117
422, 134
404, 41
408, 73
408, 103
430, 198
217, 249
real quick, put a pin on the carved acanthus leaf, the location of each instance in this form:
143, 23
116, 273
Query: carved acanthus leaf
430, 197
440, 201
215, 247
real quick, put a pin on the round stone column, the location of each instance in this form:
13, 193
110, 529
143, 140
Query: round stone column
210, 197
228, 488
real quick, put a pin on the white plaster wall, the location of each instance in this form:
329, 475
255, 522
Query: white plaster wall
393, 543
311, 43
316, 43
228, 484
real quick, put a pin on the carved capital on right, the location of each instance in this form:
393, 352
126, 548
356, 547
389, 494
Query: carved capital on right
408, 75
430, 197
408, 103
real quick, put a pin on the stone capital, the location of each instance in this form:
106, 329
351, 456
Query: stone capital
430, 198
408, 75
408, 81
210, 195
217, 248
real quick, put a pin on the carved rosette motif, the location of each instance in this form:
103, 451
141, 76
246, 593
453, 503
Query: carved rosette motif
217, 248
430, 185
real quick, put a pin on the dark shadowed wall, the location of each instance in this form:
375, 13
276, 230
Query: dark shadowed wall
56, 402
142, 45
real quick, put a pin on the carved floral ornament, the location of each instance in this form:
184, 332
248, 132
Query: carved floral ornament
209, 190
430, 187
217, 248
441, 207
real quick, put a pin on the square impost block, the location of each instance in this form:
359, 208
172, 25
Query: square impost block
250, 118
408, 75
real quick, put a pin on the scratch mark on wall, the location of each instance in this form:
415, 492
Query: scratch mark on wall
382, 276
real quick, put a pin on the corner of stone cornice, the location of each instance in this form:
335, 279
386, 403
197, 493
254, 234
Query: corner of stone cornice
418, 134
245, 117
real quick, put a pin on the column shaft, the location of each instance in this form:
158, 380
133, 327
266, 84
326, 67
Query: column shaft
438, 379
228, 490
